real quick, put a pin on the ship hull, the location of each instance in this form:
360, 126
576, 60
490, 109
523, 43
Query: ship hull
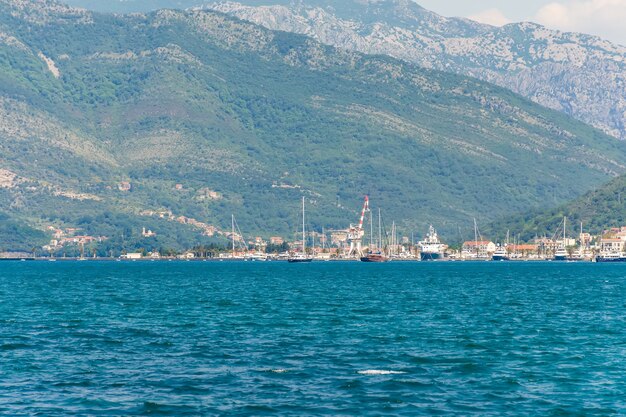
601, 259
299, 261
375, 258
560, 258
500, 258
430, 256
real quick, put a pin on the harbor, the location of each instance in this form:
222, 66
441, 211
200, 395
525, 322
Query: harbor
369, 240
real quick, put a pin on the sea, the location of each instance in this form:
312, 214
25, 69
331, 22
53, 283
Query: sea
326, 338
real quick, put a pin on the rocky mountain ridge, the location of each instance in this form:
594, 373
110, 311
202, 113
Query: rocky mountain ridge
583, 76
105, 118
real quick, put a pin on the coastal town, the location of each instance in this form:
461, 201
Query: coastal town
352, 243
367, 240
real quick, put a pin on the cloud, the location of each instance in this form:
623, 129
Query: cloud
492, 17
605, 18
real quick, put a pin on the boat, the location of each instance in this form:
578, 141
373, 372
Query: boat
301, 257
611, 257
500, 254
576, 256
377, 255
431, 248
561, 253
237, 239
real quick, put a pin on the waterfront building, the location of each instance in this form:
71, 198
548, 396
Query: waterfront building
527, 251
611, 245
477, 249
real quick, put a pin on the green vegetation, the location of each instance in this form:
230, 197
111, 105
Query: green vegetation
15, 236
597, 210
262, 118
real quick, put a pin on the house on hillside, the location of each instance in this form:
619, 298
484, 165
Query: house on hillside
124, 186
147, 233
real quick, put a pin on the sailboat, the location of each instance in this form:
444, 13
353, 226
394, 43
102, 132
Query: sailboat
235, 240
561, 252
301, 257
379, 255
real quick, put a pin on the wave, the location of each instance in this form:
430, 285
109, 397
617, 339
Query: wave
380, 372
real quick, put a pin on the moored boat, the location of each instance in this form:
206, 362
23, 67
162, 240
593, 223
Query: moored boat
378, 254
431, 248
375, 257
301, 257
611, 257
500, 254
560, 254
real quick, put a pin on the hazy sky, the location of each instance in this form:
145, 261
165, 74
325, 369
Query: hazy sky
605, 18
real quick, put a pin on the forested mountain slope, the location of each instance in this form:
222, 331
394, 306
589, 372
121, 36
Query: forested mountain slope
248, 120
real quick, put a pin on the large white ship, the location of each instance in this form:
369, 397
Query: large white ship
431, 248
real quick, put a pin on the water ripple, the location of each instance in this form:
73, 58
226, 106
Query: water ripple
178, 339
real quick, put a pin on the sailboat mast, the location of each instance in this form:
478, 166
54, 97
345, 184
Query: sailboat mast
393, 236
380, 232
371, 231
232, 221
476, 236
303, 233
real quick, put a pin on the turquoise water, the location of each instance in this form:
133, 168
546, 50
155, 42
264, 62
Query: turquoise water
169, 338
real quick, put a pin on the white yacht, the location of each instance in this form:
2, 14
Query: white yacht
431, 248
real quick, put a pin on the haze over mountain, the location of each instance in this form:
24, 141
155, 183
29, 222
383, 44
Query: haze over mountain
248, 120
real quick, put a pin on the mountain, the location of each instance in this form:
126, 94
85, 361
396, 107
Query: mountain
580, 75
173, 120
132, 6
597, 210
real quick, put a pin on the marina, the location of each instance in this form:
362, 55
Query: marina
367, 241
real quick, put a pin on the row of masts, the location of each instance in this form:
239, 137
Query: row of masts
237, 236
374, 244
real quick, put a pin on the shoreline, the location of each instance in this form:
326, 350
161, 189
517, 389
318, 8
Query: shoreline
227, 260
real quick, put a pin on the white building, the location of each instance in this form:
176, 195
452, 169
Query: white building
478, 249
611, 245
